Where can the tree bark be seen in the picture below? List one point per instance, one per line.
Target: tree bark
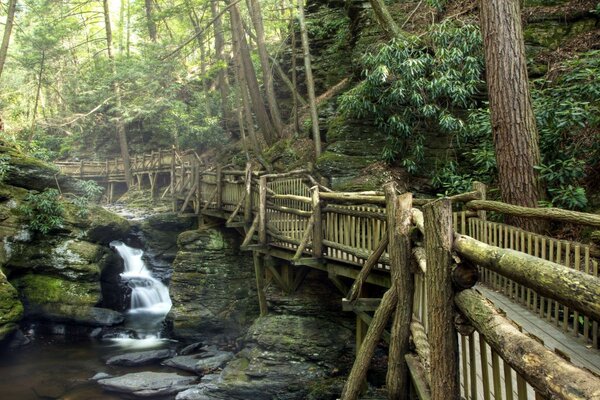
(551, 376)
(385, 20)
(575, 289)
(219, 54)
(399, 224)
(149, 6)
(257, 21)
(513, 122)
(121, 134)
(37, 97)
(310, 83)
(440, 312)
(10, 20)
(262, 117)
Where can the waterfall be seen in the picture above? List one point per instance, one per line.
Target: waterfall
(150, 301)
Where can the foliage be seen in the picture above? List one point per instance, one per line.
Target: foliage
(417, 84)
(90, 191)
(4, 166)
(44, 210)
(567, 111)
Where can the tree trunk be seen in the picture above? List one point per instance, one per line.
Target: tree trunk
(10, 20)
(294, 79)
(385, 20)
(513, 121)
(121, 134)
(399, 224)
(219, 54)
(257, 21)
(37, 97)
(310, 83)
(262, 117)
(150, 20)
(551, 376)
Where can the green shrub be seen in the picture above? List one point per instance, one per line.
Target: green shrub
(44, 210)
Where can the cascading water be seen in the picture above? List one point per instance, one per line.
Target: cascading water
(150, 301)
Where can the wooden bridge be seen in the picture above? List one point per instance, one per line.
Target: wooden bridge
(478, 309)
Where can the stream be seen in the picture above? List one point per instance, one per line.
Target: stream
(58, 367)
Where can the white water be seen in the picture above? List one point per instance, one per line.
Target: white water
(150, 301)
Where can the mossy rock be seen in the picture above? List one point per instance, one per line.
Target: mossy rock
(40, 290)
(99, 226)
(11, 309)
(334, 164)
(552, 34)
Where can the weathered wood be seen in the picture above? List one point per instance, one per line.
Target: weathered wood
(305, 237)
(250, 232)
(259, 271)
(237, 208)
(296, 172)
(364, 254)
(188, 198)
(367, 268)
(550, 375)
(361, 304)
(555, 214)
(442, 334)
(353, 198)
(419, 377)
(317, 233)
(262, 210)
(358, 373)
(288, 210)
(465, 275)
(399, 222)
(209, 201)
(302, 199)
(354, 213)
(248, 191)
(481, 188)
(575, 289)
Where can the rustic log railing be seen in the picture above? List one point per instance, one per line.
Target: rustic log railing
(454, 343)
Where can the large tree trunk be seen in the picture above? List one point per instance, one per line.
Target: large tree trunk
(262, 117)
(513, 121)
(121, 135)
(222, 75)
(310, 83)
(150, 20)
(10, 19)
(257, 21)
(385, 20)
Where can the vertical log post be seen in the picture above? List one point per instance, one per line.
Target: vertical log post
(259, 270)
(219, 198)
(262, 211)
(317, 237)
(440, 312)
(198, 188)
(481, 188)
(398, 210)
(248, 200)
(81, 169)
(173, 179)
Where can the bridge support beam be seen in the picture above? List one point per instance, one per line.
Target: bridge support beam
(259, 271)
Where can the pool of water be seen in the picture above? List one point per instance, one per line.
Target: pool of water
(55, 368)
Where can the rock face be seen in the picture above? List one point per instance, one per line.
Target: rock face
(295, 351)
(140, 357)
(57, 275)
(212, 287)
(11, 308)
(148, 384)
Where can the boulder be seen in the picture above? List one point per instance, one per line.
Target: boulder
(140, 357)
(200, 363)
(212, 287)
(148, 384)
(11, 309)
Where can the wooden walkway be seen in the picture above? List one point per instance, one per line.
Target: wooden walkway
(291, 224)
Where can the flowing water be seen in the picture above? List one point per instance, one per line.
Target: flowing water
(54, 367)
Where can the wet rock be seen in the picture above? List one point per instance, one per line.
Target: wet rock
(193, 348)
(100, 375)
(148, 384)
(11, 308)
(160, 233)
(140, 357)
(200, 363)
(195, 393)
(212, 287)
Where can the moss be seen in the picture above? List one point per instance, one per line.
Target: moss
(552, 34)
(40, 289)
(342, 165)
(11, 309)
